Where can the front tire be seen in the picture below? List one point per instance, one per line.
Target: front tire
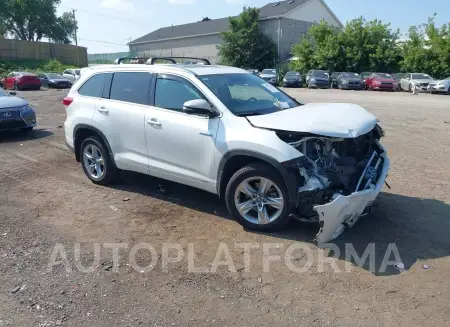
(97, 162)
(257, 198)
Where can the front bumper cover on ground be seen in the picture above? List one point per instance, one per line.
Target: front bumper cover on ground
(345, 211)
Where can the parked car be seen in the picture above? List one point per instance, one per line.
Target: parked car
(269, 75)
(365, 76)
(420, 80)
(72, 74)
(228, 132)
(442, 86)
(398, 77)
(318, 79)
(292, 79)
(381, 82)
(15, 113)
(54, 80)
(253, 71)
(350, 81)
(21, 81)
(333, 79)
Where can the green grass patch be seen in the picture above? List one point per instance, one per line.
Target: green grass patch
(33, 66)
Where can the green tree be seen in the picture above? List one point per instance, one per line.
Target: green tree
(244, 44)
(360, 46)
(33, 20)
(427, 50)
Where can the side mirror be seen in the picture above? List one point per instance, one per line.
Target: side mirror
(12, 93)
(199, 107)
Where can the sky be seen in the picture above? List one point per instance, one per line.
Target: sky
(108, 25)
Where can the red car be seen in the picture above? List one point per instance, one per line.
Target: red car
(21, 81)
(381, 82)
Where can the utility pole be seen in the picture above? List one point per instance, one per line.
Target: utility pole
(76, 27)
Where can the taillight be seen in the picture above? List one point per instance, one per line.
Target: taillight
(67, 101)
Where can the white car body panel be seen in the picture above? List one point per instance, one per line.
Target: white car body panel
(328, 119)
(190, 149)
(128, 142)
(346, 210)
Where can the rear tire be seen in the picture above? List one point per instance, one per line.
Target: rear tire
(262, 216)
(100, 168)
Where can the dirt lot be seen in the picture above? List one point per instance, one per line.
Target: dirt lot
(45, 199)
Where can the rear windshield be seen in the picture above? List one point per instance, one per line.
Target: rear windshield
(320, 73)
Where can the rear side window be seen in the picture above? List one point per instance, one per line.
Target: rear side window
(93, 87)
(131, 87)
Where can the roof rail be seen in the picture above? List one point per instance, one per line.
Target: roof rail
(153, 60)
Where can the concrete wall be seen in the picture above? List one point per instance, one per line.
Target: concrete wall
(206, 46)
(27, 50)
(314, 11)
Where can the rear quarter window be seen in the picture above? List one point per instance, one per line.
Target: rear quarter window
(93, 87)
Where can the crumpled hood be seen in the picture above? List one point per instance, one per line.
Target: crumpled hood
(422, 81)
(11, 102)
(343, 120)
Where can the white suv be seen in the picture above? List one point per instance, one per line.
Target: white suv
(229, 132)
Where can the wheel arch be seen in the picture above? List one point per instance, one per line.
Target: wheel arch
(83, 131)
(234, 160)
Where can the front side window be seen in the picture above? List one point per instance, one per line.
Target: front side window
(93, 87)
(131, 87)
(246, 94)
(173, 93)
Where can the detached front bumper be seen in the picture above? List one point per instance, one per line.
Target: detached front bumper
(345, 211)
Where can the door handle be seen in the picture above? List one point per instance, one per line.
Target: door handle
(154, 122)
(103, 109)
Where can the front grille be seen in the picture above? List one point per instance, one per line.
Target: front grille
(12, 124)
(9, 113)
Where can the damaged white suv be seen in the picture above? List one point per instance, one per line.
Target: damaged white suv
(229, 132)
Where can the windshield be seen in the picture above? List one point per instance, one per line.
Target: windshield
(421, 76)
(350, 75)
(365, 74)
(320, 73)
(247, 94)
(54, 76)
(77, 71)
(292, 74)
(382, 75)
(268, 71)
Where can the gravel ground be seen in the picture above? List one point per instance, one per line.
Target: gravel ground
(45, 200)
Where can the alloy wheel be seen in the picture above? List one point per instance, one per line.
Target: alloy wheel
(259, 200)
(93, 161)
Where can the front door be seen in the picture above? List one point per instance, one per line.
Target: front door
(181, 146)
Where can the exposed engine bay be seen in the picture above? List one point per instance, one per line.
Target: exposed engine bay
(334, 166)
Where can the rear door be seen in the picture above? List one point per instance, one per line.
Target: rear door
(120, 115)
(181, 146)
